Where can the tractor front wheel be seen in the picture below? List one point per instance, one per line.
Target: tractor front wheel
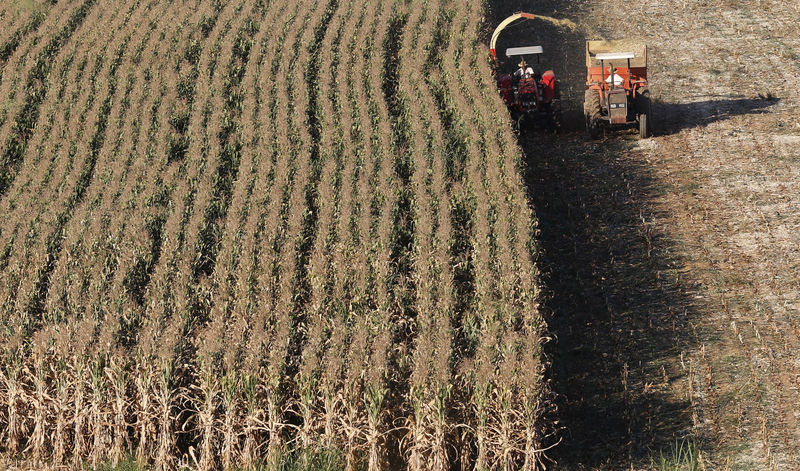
(591, 110)
(643, 110)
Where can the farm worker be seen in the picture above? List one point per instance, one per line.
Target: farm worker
(524, 71)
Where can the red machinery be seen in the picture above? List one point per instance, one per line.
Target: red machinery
(527, 95)
(616, 95)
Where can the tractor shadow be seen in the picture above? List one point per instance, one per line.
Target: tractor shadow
(672, 118)
(617, 312)
(618, 317)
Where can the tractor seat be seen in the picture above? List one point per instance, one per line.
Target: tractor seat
(527, 85)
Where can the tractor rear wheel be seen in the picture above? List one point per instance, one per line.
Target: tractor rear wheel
(591, 110)
(643, 110)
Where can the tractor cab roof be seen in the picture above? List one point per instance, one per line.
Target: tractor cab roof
(523, 51)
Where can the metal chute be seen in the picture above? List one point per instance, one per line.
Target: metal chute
(516, 16)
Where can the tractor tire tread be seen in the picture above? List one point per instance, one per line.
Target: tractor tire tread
(644, 115)
(591, 110)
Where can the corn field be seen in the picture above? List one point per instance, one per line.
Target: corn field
(236, 231)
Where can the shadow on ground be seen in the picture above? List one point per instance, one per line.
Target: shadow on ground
(672, 118)
(613, 301)
(615, 304)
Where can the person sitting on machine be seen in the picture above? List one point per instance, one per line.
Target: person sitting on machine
(524, 72)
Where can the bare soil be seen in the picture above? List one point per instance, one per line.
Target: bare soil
(672, 264)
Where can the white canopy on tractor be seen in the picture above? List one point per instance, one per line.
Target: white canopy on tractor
(610, 56)
(524, 51)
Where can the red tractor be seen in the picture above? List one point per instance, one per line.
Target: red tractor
(529, 95)
(616, 86)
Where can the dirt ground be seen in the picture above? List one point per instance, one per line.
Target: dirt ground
(672, 264)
